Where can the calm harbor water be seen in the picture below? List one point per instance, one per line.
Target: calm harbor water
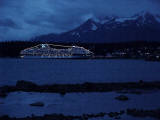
(49, 71)
(75, 103)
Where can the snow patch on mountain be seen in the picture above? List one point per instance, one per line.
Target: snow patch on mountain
(75, 34)
(94, 27)
(125, 19)
(113, 22)
(94, 19)
(145, 17)
(104, 21)
(157, 18)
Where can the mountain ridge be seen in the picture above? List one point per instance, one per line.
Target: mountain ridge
(140, 27)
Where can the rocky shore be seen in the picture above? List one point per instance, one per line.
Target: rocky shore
(140, 113)
(144, 113)
(56, 117)
(85, 87)
(115, 115)
(129, 87)
(122, 98)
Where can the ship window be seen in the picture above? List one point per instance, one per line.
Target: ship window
(43, 45)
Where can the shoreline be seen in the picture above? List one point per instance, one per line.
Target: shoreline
(126, 87)
(139, 113)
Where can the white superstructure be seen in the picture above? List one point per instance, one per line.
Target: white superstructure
(56, 51)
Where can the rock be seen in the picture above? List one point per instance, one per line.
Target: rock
(141, 81)
(2, 94)
(118, 117)
(62, 93)
(25, 84)
(38, 104)
(113, 114)
(122, 98)
(5, 117)
(144, 113)
(122, 112)
(138, 92)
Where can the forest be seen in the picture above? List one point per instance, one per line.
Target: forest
(13, 48)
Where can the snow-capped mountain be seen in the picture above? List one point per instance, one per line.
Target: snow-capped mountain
(140, 27)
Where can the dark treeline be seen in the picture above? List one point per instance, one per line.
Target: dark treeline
(13, 48)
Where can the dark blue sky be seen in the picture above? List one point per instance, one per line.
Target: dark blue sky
(23, 19)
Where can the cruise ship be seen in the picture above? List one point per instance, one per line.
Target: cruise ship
(56, 51)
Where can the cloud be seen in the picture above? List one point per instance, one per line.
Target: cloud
(8, 23)
(30, 18)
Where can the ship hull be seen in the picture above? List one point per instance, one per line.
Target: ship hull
(55, 57)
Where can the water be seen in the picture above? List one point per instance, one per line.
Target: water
(74, 103)
(49, 71)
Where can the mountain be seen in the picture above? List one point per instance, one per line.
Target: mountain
(143, 26)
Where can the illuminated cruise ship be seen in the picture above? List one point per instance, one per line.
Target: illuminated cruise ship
(55, 51)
